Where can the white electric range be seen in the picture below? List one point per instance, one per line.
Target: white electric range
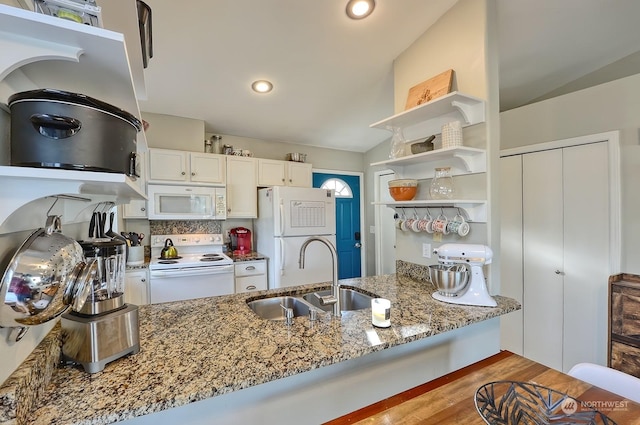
(200, 270)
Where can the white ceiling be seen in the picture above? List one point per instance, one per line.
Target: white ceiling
(553, 47)
(334, 76)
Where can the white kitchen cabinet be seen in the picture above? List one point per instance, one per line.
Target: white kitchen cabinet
(251, 276)
(557, 258)
(138, 208)
(299, 174)
(136, 287)
(272, 172)
(207, 168)
(167, 165)
(135, 209)
(242, 184)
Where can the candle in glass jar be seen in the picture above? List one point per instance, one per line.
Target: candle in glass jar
(381, 312)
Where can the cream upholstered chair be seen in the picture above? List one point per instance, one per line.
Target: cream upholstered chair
(609, 379)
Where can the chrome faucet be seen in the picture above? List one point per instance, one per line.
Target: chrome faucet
(334, 298)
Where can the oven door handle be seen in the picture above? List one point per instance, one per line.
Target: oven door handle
(193, 271)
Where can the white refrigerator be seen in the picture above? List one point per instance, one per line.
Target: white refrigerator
(287, 216)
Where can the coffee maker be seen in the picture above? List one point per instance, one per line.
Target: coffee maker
(240, 240)
(104, 328)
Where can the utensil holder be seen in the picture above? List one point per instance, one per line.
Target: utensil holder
(136, 256)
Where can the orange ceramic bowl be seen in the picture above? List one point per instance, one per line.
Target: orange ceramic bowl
(403, 189)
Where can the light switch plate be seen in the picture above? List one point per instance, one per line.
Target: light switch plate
(426, 250)
(372, 229)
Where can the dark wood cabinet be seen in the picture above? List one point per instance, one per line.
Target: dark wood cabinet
(624, 323)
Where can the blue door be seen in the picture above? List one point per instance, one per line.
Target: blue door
(348, 236)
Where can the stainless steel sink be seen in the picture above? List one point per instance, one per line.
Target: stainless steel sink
(350, 299)
(270, 308)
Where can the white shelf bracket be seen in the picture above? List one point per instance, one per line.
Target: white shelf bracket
(468, 161)
(464, 109)
(17, 53)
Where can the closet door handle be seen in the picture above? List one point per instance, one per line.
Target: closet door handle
(558, 272)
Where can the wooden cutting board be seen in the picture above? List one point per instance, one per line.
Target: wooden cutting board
(430, 89)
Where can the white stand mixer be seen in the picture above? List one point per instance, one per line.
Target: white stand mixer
(474, 256)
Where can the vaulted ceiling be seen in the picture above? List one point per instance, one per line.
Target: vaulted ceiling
(333, 76)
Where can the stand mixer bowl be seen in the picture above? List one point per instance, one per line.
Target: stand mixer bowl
(449, 280)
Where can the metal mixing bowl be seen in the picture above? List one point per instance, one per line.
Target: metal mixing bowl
(297, 157)
(449, 280)
(43, 278)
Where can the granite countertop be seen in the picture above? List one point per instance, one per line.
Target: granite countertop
(252, 256)
(197, 349)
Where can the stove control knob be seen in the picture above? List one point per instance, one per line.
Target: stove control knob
(196, 239)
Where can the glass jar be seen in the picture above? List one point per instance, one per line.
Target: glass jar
(215, 140)
(397, 143)
(442, 184)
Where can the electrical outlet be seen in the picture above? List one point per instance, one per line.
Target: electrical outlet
(426, 250)
(372, 229)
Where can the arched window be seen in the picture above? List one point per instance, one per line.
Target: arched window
(340, 187)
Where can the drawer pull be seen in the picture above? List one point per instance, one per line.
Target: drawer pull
(250, 268)
(251, 287)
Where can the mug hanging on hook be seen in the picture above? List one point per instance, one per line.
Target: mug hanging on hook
(439, 225)
(425, 222)
(414, 225)
(458, 225)
(399, 220)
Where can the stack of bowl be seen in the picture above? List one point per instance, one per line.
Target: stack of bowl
(403, 189)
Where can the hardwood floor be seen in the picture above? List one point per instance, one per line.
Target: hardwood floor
(450, 399)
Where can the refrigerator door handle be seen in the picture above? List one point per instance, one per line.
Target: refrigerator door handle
(281, 256)
(281, 218)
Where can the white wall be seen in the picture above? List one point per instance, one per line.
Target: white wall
(170, 132)
(611, 106)
(321, 158)
(455, 41)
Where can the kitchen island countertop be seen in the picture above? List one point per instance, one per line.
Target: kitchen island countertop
(198, 349)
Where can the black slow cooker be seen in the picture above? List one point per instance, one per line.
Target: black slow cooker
(58, 129)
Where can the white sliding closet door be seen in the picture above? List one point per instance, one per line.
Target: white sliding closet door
(563, 266)
(586, 253)
(542, 203)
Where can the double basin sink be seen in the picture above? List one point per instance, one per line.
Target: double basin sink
(272, 308)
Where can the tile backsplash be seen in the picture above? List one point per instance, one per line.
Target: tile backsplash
(174, 227)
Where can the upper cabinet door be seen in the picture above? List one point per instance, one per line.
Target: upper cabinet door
(168, 165)
(271, 172)
(299, 174)
(208, 168)
(242, 200)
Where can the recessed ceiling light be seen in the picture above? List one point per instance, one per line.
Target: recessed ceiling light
(262, 86)
(359, 9)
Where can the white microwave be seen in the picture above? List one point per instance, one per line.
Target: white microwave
(167, 202)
